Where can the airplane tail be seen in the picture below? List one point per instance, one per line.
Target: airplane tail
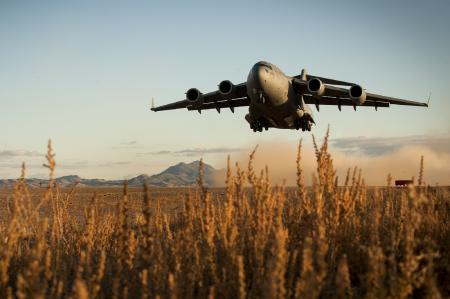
(153, 104)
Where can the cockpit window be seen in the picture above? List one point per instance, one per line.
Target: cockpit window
(262, 63)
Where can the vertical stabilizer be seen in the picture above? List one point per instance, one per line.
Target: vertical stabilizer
(303, 74)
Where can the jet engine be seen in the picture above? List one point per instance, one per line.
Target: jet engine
(316, 87)
(194, 96)
(357, 94)
(225, 87)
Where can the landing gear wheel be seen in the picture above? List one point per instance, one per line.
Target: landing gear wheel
(303, 124)
(306, 126)
(259, 125)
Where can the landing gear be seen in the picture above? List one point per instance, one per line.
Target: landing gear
(261, 99)
(259, 125)
(302, 123)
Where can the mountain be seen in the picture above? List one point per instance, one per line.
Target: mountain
(181, 174)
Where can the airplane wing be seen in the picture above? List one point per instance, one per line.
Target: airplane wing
(213, 100)
(334, 95)
(326, 80)
(172, 106)
(239, 102)
(328, 101)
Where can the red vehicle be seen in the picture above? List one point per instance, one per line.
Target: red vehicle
(403, 183)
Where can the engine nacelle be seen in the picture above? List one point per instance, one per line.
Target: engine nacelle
(225, 87)
(194, 96)
(316, 87)
(357, 94)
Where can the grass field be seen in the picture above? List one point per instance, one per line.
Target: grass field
(248, 240)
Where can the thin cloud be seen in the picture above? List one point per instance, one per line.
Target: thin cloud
(378, 146)
(32, 169)
(134, 142)
(204, 151)
(8, 154)
(127, 145)
(159, 153)
(73, 165)
(112, 164)
(19, 165)
(34, 165)
(195, 151)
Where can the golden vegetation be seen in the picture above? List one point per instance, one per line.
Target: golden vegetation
(326, 241)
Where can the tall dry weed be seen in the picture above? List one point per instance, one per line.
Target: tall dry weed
(323, 241)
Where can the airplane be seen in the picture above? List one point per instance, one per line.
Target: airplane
(276, 100)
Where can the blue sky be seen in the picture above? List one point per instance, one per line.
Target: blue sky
(83, 73)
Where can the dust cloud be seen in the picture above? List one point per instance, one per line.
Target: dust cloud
(401, 163)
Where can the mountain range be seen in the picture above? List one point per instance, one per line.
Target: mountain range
(179, 175)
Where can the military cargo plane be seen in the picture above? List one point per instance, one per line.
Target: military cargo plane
(276, 100)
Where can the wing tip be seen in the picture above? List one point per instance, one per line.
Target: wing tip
(419, 104)
(423, 104)
(156, 109)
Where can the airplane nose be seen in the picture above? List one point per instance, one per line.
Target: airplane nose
(258, 79)
(260, 72)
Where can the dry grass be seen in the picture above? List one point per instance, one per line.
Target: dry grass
(326, 241)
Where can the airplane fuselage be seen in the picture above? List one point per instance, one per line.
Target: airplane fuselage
(274, 103)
